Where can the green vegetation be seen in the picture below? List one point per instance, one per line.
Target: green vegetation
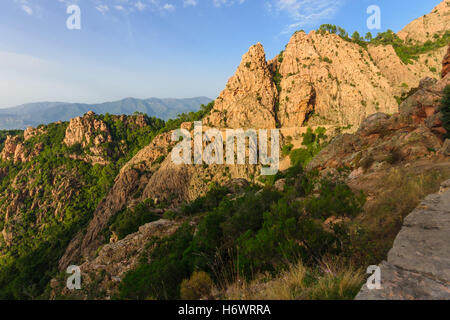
(198, 286)
(5, 133)
(129, 220)
(286, 150)
(313, 142)
(162, 277)
(240, 237)
(42, 232)
(407, 52)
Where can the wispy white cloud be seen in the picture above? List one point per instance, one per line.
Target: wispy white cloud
(168, 7)
(190, 3)
(129, 6)
(26, 6)
(220, 3)
(305, 12)
(140, 6)
(27, 9)
(102, 8)
(301, 13)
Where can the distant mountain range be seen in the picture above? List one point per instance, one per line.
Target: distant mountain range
(34, 114)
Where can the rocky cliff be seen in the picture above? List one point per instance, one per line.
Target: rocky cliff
(415, 132)
(425, 27)
(151, 174)
(446, 64)
(418, 265)
(252, 87)
(39, 189)
(321, 78)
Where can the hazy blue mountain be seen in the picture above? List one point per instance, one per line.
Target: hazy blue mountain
(34, 114)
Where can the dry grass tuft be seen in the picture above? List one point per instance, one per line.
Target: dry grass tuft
(332, 281)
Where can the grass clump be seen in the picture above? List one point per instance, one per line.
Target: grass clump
(328, 282)
(198, 286)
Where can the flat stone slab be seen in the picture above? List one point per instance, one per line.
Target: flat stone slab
(418, 265)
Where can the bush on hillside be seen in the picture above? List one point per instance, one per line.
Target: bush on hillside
(198, 286)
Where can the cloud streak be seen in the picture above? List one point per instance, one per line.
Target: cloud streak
(26, 6)
(301, 13)
(306, 12)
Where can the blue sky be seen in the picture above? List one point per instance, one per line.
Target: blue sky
(158, 48)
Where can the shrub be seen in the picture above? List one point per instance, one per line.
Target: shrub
(314, 142)
(206, 203)
(198, 286)
(159, 160)
(300, 156)
(287, 149)
(161, 277)
(76, 148)
(394, 156)
(294, 229)
(366, 162)
(129, 220)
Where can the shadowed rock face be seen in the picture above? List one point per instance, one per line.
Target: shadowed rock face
(446, 64)
(418, 265)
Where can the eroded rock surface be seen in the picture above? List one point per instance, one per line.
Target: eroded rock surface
(418, 265)
(415, 132)
(446, 64)
(425, 27)
(249, 99)
(114, 260)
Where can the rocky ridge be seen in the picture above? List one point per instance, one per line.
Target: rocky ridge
(114, 260)
(319, 78)
(252, 87)
(417, 264)
(144, 175)
(415, 132)
(425, 27)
